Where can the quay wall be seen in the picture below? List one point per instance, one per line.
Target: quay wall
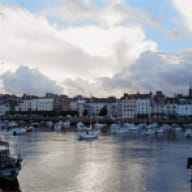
(74, 120)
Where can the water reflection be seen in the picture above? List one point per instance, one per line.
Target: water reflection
(59, 162)
(9, 185)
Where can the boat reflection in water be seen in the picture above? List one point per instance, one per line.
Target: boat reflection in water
(9, 185)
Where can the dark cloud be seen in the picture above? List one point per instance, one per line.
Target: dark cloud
(29, 81)
(153, 71)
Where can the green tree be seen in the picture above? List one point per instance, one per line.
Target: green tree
(103, 111)
(85, 112)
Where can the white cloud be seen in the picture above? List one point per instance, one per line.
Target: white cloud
(108, 56)
(114, 13)
(184, 8)
(102, 42)
(86, 52)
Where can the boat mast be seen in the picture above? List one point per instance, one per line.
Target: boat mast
(90, 112)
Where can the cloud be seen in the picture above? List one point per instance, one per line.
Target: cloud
(87, 12)
(71, 52)
(153, 71)
(184, 8)
(29, 81)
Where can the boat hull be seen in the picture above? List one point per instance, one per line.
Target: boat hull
(9, 173)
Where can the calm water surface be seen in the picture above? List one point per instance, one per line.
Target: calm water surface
(58, 162)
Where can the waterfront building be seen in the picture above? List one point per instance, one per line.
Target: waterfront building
(79, 104)
(39, 104)
(171, 107)
(143, 105)
(158, 105)
(63, 102)
(128, 106)
(4, 108)
(73, 104)
(25, 105)
(112, 108)
(45, 104)
(94, 106)
(184, 107)
(135, 105)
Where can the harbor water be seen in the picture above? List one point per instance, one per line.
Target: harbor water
(59, 162)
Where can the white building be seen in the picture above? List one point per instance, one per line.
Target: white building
(40, 104)
(184, 107)
(24, 106)
(143, 106)
(171, 107)
(135, 105)
(4, 108)
(97, 104)
(44, 104)
(128, 108)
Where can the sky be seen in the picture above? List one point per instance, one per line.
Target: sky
(102, 47)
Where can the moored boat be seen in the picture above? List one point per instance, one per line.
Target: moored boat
(9, 166)
(17, 131)
(88, 134)
(120, 129)
(188, 132)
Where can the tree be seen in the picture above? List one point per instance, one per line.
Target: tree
(103, 111)
(85, 112)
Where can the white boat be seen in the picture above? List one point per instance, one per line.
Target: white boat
(12, 124)
(67, 124)
(49, 124)
(58, 126)
(88, 134)
(149, 132)
(29, 129)
(17, 131)
(160, 131)
(133, 128)
(81, 126)
(99, 125)
(114, 127)
(188, 132)
(120, 128)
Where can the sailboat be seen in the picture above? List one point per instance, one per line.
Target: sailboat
(87, 132)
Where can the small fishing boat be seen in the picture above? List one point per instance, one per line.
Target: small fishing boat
(9, 166)
(17, 131)
(120, 129)
(67, 124)
(188, 132)
(29, 129)
(88, 134)
(149, 131)
(81, 126)
(58, 126)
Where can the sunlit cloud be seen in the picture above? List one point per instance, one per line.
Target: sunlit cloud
(79, 44)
